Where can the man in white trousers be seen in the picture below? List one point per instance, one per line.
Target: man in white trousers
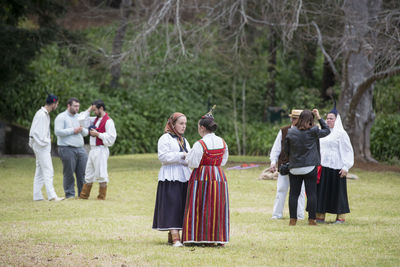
(278, 157)
(40, 142)
(102, 135)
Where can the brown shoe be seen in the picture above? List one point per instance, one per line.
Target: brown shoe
(169, 238)
(85, 193)
(312, 222)
(292, 222)
(102, 191)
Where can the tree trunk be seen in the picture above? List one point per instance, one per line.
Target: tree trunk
(358, 67)
(244, 116)
(271, 86)
(118, 42)
(235, 122)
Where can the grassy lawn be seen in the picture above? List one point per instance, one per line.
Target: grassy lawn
(118, 231)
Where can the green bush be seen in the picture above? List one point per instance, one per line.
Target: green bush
(385, 138)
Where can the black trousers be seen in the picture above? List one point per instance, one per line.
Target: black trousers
(310, 183)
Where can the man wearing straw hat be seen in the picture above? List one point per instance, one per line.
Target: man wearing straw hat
(278, 157)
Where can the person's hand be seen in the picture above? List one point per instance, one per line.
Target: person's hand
(78, 130)
(94, 133)
(316, 113)
(91, 108)
(342, 173)
(184, 155)
(272, 168)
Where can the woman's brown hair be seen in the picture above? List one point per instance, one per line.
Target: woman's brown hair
(306, 120)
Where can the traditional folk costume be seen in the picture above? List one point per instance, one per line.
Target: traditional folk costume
(206, 217)
(336, 154)
(40, 142)
(172, 179)
(96, 168)
(277, 155)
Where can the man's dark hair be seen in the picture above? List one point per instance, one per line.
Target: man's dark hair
(51, 99)
(306, 120)
(72, 99)
(99, 103)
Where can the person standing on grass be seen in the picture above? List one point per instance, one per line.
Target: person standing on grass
(70, 147)
(172, 178)
(102, 135)
(40, 142)
(337, 157)
(206, 219)
(302, 146)
(278, 157)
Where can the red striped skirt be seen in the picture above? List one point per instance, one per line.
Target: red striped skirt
(206, 218)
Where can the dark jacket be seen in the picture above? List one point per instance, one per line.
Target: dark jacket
(302, 146)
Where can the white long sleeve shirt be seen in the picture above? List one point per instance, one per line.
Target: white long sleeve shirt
(108, 137)
(40, 128)
(337, 152)
(212, 142)
(276, 149)
(174, 167)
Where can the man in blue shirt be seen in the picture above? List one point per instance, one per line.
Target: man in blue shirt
(70, 143)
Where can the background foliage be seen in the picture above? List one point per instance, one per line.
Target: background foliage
(154, 86)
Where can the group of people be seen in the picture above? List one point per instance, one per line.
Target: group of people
(70, 127)
(318, 160)
(193, 201)
(192, 192)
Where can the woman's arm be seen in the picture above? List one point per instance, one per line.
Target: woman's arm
(165, 152)
(195, 155)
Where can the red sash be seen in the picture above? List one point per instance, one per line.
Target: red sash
(101, 128)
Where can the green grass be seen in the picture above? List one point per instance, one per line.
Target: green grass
(118, 231)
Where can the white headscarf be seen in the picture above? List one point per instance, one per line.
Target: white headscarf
(336, 149)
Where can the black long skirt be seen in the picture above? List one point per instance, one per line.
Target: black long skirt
(170, 205)
(332, 193)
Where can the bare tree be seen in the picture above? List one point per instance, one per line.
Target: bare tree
(368, 48)
(360, 40)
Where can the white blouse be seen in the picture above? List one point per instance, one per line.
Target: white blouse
(212, 142)
(336, 151)
(174, 167)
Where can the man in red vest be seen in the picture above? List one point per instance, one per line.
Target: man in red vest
(102, 135)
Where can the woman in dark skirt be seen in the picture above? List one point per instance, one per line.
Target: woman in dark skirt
(337, 158)
(172, 179)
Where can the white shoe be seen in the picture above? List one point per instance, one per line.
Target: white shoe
(177, 244)
(276, 218)
(56, 199)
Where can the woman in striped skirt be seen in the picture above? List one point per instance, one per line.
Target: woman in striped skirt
(206, 218)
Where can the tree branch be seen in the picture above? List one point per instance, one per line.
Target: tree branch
(362, 88)
(178, 26)
(334, 70)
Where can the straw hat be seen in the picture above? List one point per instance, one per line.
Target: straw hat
(295, 113)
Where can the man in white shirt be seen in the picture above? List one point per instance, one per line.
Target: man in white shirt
(279, 157)
(70, 143)
(40, 142)
(102, 135)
